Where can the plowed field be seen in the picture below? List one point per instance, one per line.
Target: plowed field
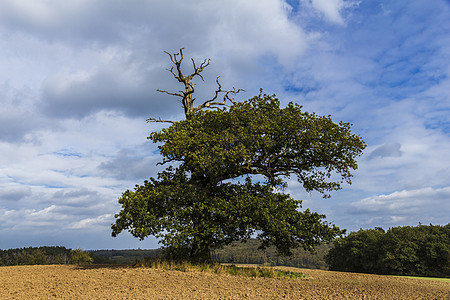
(112, 282)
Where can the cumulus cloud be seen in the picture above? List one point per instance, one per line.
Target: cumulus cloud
(43, 219)
(17, 118)
(407, 206)
(422, 165)
(40, 208)
(386, 150)
(117, 55)
(128, 164)
(14, 194)
(333, 12)
(252, 28)
(82, 22)
(82, 93)
(92, 223)
(77, 197)
(330, 8)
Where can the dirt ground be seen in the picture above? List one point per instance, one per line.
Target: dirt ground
(112, 282)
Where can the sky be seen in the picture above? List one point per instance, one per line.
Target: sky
(78, 79)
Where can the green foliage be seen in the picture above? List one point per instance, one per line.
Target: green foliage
(79, 257)
(259, 137)
(43, 256)
(415, 251)
(418, 251)
(237, 253)
(186, 266)
(358, 252)
(129, 256)
(228, 181)
(247, 253)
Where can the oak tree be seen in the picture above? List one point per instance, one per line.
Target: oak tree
(227, 171)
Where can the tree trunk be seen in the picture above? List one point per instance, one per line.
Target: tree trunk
(201, 253)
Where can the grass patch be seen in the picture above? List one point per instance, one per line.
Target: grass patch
(426, 278)
(217, 268)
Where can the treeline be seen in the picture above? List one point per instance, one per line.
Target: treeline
(248, 253)
(130, 256)
(43, 256)
(237, 253)
(414, 251)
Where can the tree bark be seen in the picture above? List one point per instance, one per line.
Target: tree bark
(201, 253)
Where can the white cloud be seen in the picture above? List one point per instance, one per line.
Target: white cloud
(331, 9)
(248, 29)
(386, 150)
(401, 200)
(13, 193)
(17, 117)
(35, 13)
(78, 21)
(426, 205)
(129, 164)
(93, 223)
(116, 54)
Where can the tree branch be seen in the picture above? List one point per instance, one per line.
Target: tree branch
(159, 120)
(186, 95)
(173, 94)
(210, 103)
(165, 161)
(197, 71)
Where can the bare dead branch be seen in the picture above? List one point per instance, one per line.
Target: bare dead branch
(211, 102)
(172, 94)
(234, 92)
(177, 62)
(159, 120)
(198, 70)
(173, 73)
(186, 95)
(170, 55)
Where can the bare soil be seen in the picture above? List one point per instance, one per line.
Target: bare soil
(120, 282)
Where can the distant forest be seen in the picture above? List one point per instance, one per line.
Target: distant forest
(130, 256)
(423, 250)
(43, 256)
(248, 253)
(237, 253)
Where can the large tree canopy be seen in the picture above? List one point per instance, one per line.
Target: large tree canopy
(259, 137)
(226, 177)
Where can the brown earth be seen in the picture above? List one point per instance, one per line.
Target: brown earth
(113, 282)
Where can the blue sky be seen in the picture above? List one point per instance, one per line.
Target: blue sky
(78, 79)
